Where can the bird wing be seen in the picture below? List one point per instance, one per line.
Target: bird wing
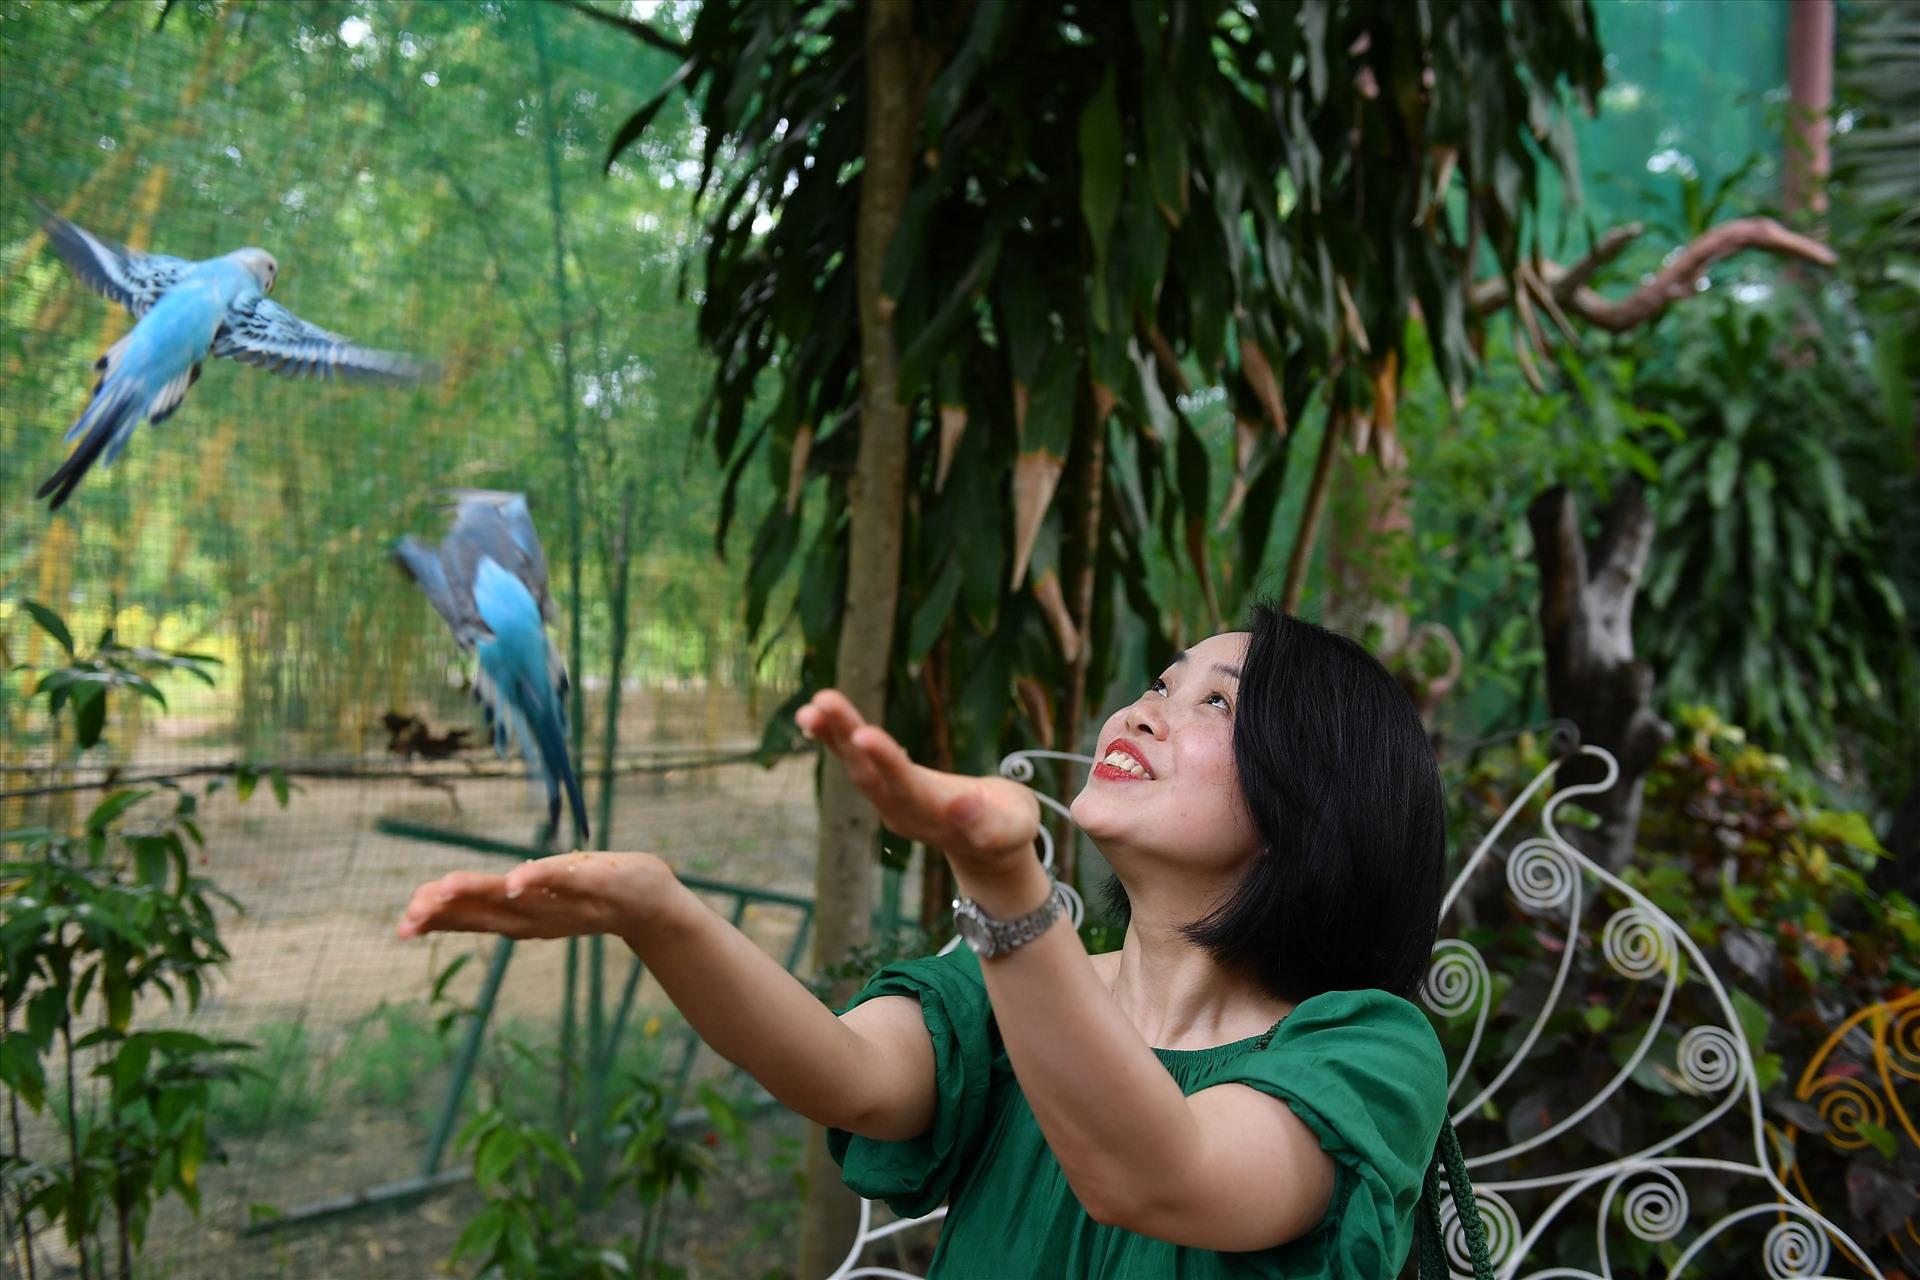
(265, 334)
(489, 514)
(450, 594)
(134, 280)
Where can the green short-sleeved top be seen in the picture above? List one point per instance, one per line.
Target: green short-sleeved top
(1363, 1069)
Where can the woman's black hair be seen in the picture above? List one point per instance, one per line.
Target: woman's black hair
(1345, 792)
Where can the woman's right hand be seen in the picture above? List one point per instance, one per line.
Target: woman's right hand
(565, 896)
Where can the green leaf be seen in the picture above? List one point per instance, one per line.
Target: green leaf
(498, 1153)
(957, 77)
(277, 779)
(482, 1235)
(130, 1069)
(89, 714)
(773, 547)
(1723, 468)
(1755, 1019)
(1193, 469)
(1639, 459)
(1845, 827)
(1891, 371)
(1101, 170)
(934, 610)
(150, 863)
(556, 1154)
(1166, 143)
(1050, 408)
(1313, 16)
(108, 811)
(637, 122)
(1833, 487)
(118, 990)
(143, 686)
(446, 976)
(1647, 1075)
(21, 1072)
(1882, 1140)
(51, 623)
(1020, 314)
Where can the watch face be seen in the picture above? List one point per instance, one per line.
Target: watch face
(972, 931)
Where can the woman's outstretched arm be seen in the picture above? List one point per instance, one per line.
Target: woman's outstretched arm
(1229, 1168)
(870, 1072)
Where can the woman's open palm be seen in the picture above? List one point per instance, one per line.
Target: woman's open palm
(568, 895)
(980, 821)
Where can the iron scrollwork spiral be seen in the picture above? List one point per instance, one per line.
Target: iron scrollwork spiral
(1457, 978)
(1635, 943)
(1496, 1215)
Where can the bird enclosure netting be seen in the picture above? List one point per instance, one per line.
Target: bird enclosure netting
(429, 177)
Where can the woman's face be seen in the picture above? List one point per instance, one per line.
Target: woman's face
(1164, 781)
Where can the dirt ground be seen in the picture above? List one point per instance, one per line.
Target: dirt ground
(315, 958)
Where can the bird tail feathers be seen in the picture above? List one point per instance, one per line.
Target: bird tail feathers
(109, 419)
(534, 718)
(118, 407)
(549, 731)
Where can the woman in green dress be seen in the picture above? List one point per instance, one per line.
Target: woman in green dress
(1242, 1089)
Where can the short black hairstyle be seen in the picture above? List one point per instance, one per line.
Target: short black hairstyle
(1344, 790)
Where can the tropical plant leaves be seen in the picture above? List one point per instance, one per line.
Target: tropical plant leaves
(1147, 203)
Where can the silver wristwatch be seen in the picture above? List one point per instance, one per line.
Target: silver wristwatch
(990, 937)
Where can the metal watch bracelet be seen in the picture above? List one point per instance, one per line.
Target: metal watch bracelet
(989, 937)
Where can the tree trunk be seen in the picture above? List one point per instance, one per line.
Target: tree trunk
(1810, 86)
(843, 878)
(1369, 564)
(1593, 679)
(1370, 539)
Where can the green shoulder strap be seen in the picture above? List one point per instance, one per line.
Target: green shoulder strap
(1433, 1251)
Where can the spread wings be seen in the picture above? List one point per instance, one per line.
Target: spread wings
(134, 280)
(263, 333)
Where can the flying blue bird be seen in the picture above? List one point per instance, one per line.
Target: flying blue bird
(183, 312)
(488, 579)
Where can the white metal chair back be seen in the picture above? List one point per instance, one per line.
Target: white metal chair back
(1556, 885)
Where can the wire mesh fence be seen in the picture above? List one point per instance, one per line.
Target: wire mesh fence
(429, 177)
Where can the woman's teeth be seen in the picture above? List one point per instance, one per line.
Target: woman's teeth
(1121, 760)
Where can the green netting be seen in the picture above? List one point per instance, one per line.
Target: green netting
(404, 161)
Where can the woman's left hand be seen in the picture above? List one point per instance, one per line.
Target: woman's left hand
(983, 825)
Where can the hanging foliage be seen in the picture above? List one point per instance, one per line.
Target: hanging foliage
(1126, 224)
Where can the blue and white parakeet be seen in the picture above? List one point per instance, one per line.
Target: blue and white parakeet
(183, 312)
(488, 579)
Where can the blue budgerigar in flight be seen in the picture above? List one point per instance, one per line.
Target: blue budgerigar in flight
(488, 579)
(183, 312)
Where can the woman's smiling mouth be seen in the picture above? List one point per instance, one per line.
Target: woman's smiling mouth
(1123, 763)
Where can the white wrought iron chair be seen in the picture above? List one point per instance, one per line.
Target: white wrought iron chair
(1554, 884)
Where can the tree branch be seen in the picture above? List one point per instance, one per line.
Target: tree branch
(1491, 294)
(1671, 283)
